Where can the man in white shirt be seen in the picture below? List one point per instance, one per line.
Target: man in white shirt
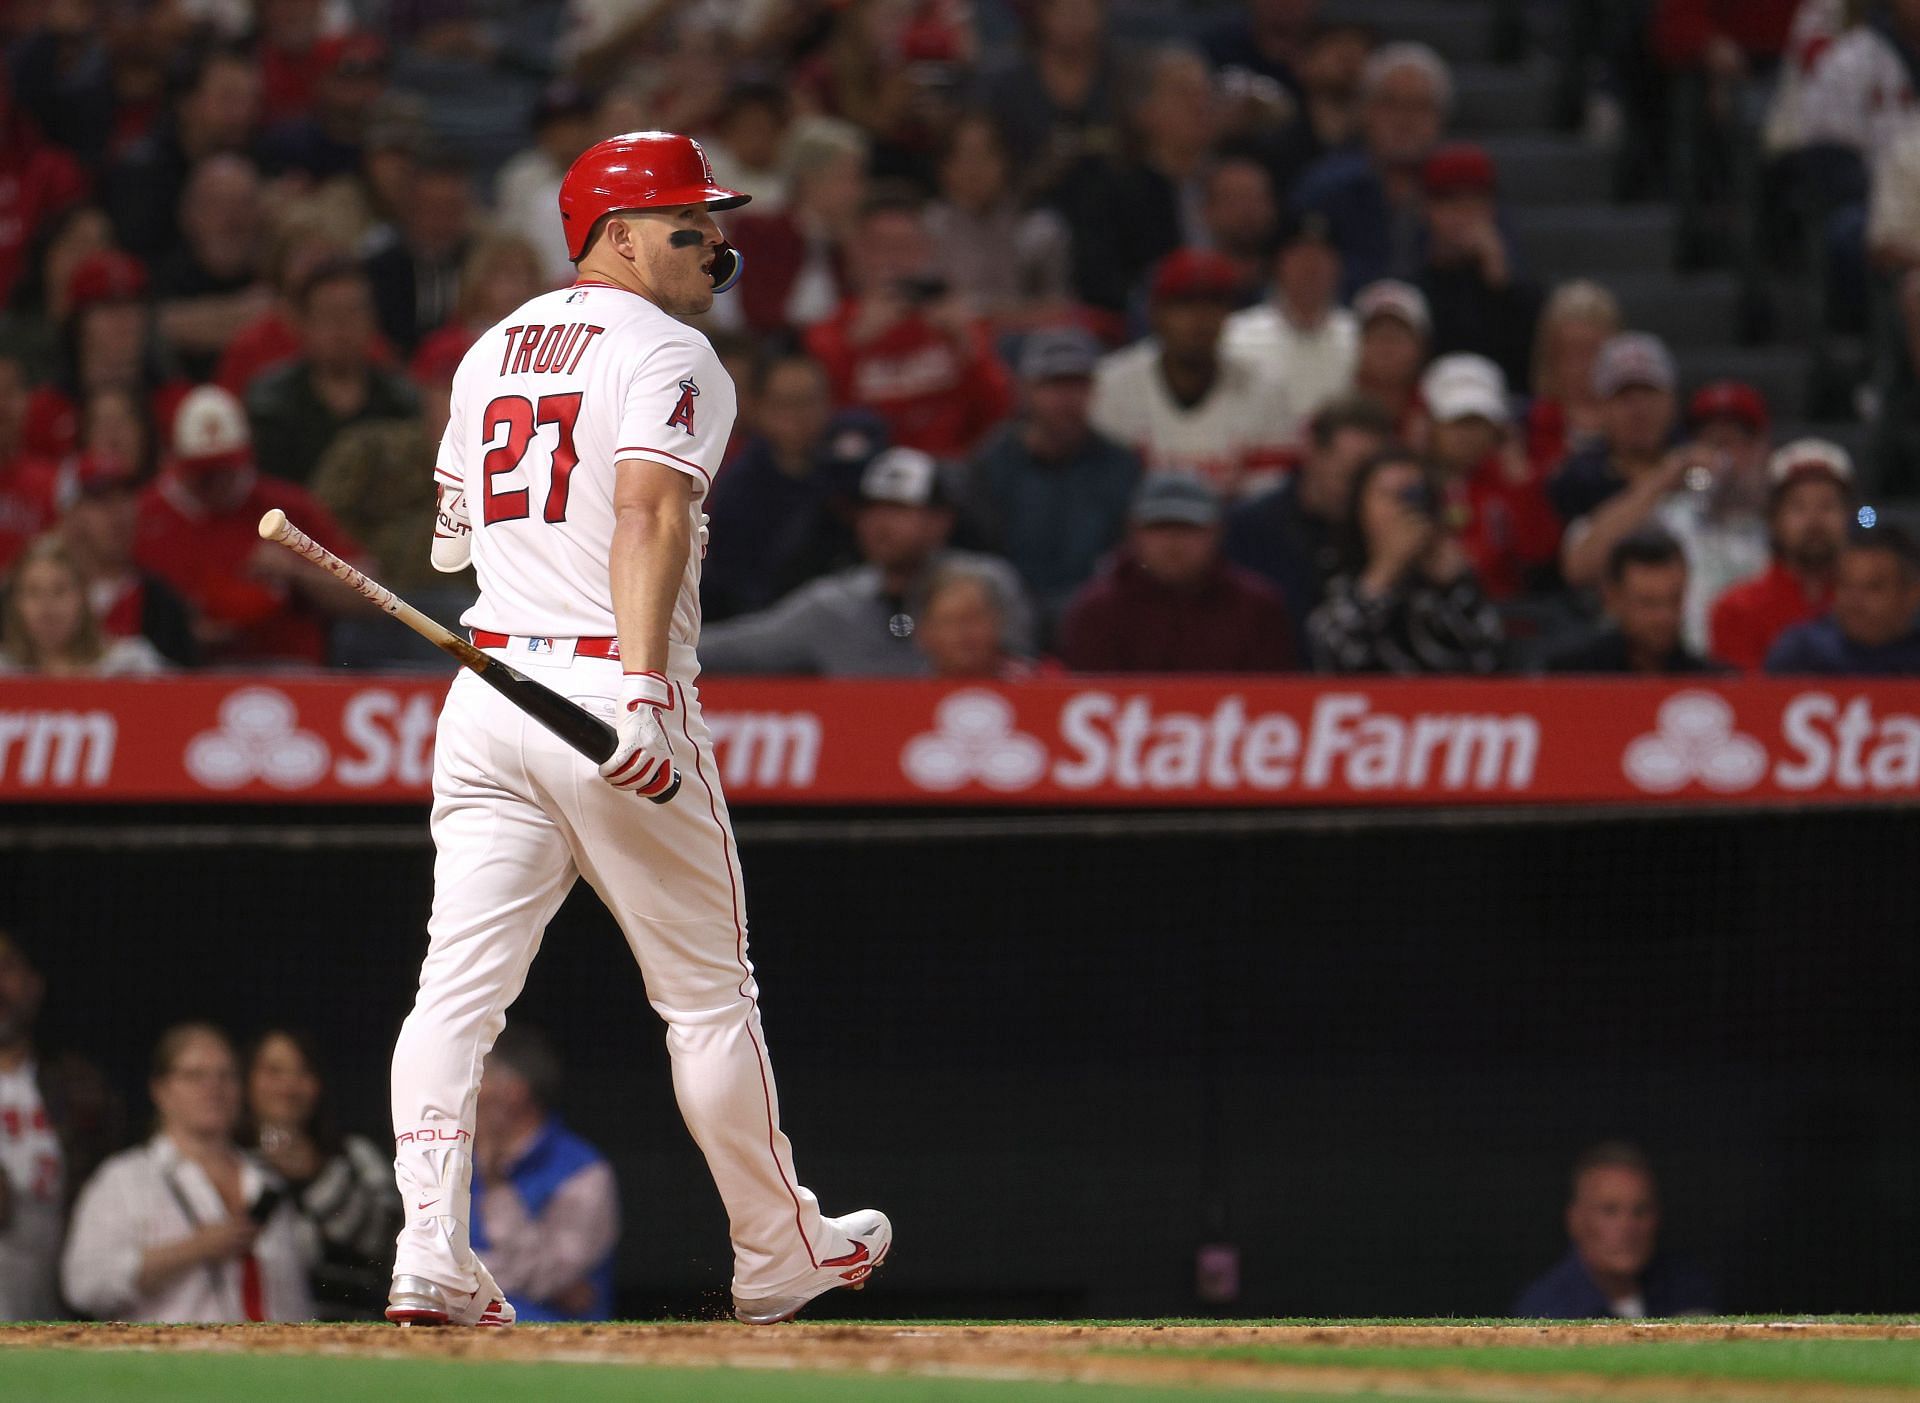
(1183, 404)
(1301, 335)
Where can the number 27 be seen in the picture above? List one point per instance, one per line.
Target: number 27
(519, 416)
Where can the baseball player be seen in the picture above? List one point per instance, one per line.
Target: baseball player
(584, 434)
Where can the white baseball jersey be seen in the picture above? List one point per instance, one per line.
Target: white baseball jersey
(1235, 438)
(35, 1171)
(544, 405)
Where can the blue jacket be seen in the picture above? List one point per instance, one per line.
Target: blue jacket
(1820, 649)
(554, 1157)
(1568, 1293)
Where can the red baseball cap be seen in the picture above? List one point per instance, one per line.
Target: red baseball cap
(1196, 273)
(106, 276)
(1458, 168)
(88, 474)
(1729, 399)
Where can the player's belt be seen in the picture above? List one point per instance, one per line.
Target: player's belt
(582, 647)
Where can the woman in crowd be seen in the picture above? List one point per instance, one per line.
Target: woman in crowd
(114, 423)
(339, 1186)
(1012, 265)
(501, 272)
(1404, 599)
(1576, 322)
(188, 1227)
(50, 630)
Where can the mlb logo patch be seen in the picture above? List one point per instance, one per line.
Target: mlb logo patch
(539, 645)
(579, 294)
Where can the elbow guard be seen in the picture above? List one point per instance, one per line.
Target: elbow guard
(452, 532)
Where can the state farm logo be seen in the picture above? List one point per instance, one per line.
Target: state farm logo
(974, 742)
(259, 737)
(1694, 739)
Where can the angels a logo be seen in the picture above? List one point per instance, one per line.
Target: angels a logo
(682, 416)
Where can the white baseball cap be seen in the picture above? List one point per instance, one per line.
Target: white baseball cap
(1392, 298)
(1817, 456)
(904, 476)
(1465, 387)
(210, 428)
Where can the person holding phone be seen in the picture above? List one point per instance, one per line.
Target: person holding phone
(1404, 599)
(188, 1228)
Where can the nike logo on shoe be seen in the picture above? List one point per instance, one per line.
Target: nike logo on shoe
(856, 1259)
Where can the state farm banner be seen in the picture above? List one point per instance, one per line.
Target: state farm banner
(1093, 742)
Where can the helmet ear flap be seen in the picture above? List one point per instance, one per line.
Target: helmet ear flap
(727, 265)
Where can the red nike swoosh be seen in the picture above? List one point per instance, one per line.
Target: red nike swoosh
(423, 1207)
(852, 1259)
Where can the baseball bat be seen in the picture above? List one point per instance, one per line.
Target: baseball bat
(580, 729)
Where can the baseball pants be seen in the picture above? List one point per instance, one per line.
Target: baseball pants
(517, 816)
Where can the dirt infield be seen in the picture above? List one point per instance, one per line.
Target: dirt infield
(1169, 1355)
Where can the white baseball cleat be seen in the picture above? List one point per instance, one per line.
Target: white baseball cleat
(871, 1238)
(414, 1300)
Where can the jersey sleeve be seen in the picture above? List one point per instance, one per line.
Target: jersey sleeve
(678, 410)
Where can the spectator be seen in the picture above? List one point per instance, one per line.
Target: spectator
(1178, 401)
(363, 207)
(299, 408)
(216, 112)
(98, 496)
(963, 629)
(115, 424)
(38, 306)
(1127, 213)
(1268, 38)
(502, 274)
(861, 621)
(748, 141)
(528, 187)
(299, 246)
(329, 140)
(1645, 584)
(1329, 118)
(1289, 535)
(1240, 215)
(199, 523)
(339, 1186)
(415, 272)
(1719, 516)
(36, 178)
(1479, 303)
(1615, 487)
(1396, 329)
(49, 629)
(1048, 491)
(369, 478)
(1404, 599)
(26, 479)
(287, 42)
(904, 346)
(1169, 602)
(209, 287)
(57, 1121)
(1860, 94)
(1491, 495)
(1060, 101)
(1372, 197)
(187, 1228)
(1614, 1268)
(1011, 264)
(106, 340)
(776, 509)
(1873, 629)
(1299, 334)
(803, 256)
(1565, 416)
(545, 1208)
(1808, 508)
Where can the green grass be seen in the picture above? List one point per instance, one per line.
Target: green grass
(1879, 1363)
(47, 1376)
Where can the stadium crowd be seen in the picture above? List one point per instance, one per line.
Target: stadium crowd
(1058, 350)
(245, 1201)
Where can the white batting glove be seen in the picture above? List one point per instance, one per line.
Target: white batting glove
(642, 762)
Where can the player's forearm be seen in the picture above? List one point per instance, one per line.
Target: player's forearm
(650, 545)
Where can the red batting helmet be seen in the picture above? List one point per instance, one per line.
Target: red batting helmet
(642, 170)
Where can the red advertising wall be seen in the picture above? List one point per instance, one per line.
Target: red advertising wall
(1094, 742)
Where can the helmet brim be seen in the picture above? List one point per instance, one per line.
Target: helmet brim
(719, 197)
